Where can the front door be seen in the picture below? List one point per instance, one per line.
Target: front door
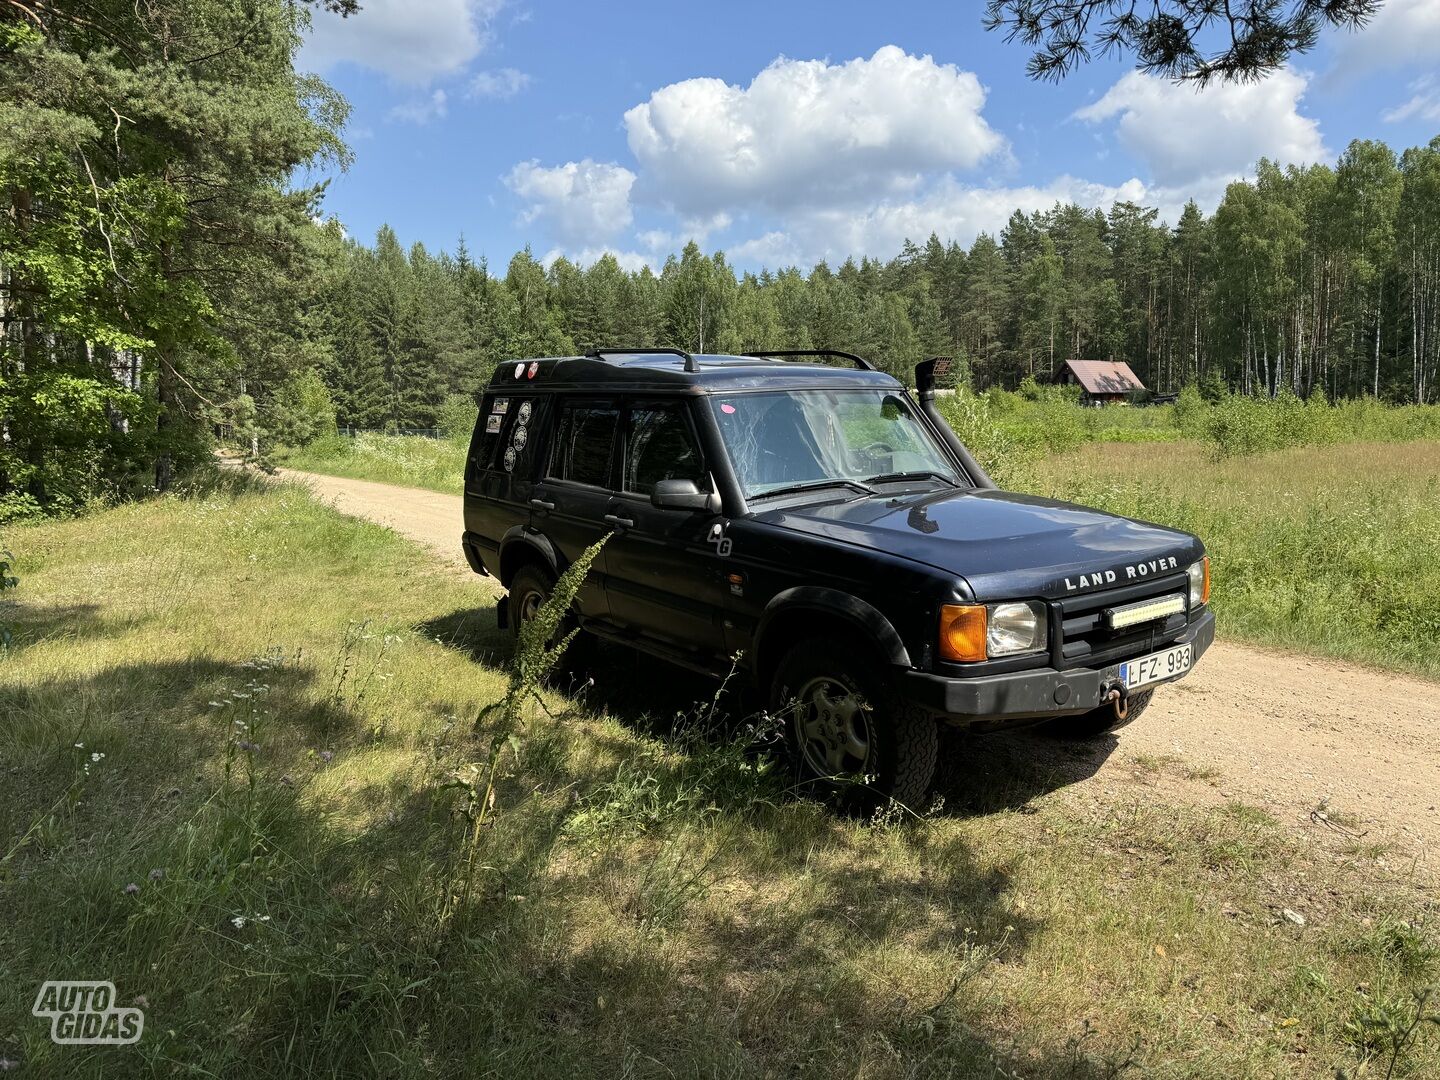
(664, 577)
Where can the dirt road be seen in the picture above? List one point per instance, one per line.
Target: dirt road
(1287, 731)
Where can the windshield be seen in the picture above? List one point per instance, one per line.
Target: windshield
(787, 438)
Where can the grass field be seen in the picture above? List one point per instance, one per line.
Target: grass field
(1325, 549)
(408, 460)
(278, 856)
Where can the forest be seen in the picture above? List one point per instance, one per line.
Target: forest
(167, 277)
(1303, 280)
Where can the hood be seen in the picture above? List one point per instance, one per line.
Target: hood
(1003, 544)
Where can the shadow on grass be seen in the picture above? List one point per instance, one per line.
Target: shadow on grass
(977, 774)
(280, 937)
(31, 623)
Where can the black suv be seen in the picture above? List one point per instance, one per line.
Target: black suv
(834, 534)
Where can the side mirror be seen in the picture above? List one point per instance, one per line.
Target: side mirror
(683, 495)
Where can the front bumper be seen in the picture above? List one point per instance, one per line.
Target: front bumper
(996, 700)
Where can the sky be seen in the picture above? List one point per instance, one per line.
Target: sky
(787, 132)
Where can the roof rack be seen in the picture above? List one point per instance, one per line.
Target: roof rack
(861, 364)
(690, 365)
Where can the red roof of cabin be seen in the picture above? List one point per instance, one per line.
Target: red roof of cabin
(1105, 376)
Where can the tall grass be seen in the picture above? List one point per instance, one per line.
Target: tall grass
(1327, 549)
(407, 460)
(1241, 426)
(273, 857)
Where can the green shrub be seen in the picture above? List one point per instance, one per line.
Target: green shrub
(973, 419)
(301, 411)
(456, 418)
(1242, 425)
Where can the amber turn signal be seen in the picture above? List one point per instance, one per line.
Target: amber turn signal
(1205, 588)
(962, 632)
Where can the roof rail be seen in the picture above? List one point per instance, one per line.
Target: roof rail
(861, 364)
(690, 365)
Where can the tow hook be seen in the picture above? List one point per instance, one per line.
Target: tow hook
(1119, 697)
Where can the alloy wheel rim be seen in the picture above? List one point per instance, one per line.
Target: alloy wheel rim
(530, 605)
(832, 726)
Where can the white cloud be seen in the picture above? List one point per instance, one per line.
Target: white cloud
(951, 210)
(411, 42)
(1195, 140)
(1403, 32)
(1424, 103)
(583, 203)
(807, 131)
(503, 83)
(422, 110)
(630, 261)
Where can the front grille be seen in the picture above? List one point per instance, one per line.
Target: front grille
(1085, 640)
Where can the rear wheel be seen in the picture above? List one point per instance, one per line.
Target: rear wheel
(1101, 721)
(530, 588)
(849, 733)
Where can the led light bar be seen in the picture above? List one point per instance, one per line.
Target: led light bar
(1146, 611)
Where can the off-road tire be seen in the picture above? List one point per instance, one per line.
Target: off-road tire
(1097, 722)
(534, 580)
(903, 737)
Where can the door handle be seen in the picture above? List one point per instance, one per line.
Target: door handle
(620, 522)
(541, 504)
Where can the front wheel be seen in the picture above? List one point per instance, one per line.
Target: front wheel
(849, 733)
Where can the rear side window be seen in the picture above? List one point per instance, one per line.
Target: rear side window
(584, 442)
(659, 447)
(502, 434)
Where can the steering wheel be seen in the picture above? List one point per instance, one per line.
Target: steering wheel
(882, 447)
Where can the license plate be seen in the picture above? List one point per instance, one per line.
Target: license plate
(1157, 667)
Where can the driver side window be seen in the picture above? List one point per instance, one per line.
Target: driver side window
(660, 446)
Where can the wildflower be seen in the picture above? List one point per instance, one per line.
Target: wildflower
(95, 757)
(131, 889)
(6, 1064)
(327, 756)
(238, 922)
(157, 874)
(79, 746)
(141, 1001)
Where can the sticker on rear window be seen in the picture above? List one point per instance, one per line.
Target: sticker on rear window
(500, 404)
(727, 408)
(492, 424)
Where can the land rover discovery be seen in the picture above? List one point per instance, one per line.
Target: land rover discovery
(807, 514)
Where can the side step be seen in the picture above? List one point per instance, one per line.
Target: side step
(690, 659)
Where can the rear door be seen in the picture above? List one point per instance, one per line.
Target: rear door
(499, 477)
(569, 503)
(663, 579)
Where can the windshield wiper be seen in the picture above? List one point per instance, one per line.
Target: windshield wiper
(918, 474)
(818, 485)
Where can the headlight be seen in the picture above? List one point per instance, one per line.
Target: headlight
(1015, 628)
(973, 632)
(1199, 583)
